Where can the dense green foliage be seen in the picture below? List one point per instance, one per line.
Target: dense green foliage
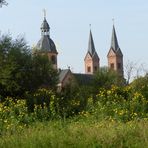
(15, 62)
(116, 104)
(105, 78)
(141, 85)
(117, 118)
(20, 71)
(43, 74)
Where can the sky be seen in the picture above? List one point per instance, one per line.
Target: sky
(69, 22)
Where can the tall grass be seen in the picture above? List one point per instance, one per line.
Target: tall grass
(82, 132)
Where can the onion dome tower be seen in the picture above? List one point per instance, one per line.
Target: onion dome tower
(46, 45)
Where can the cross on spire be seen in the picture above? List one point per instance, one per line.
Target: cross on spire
(44, 11)
(90, 26)
(113, 21)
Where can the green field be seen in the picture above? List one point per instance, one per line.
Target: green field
(79, 132)
(117, 118)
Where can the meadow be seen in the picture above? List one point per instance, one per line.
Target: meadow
(82, 132)
(115, 118)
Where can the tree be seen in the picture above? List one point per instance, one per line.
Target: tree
(105, 78)
(129, 70)
(134, 70)
(141, 85)
(43, 73)
(3, 2)
(20, 71)
(15, 59)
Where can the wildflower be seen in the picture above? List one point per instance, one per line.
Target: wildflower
(5, 121)
(135, 114)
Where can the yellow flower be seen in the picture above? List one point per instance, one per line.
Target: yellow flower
(5, 121)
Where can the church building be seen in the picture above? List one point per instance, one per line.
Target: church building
(91, 61)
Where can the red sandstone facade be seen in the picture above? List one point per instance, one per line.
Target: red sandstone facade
(115, 62)
(92, 61)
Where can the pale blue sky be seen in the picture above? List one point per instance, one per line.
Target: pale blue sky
(69, 21)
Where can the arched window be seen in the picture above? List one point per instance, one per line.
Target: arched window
(53, 59)
(112, 65)
(88, 69)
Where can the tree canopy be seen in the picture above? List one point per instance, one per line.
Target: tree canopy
(20, 71)
(3, 2)
(105, 78)
(141, 85)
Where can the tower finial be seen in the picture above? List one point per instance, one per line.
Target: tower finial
(90, 26)
(44, 11)
(113, 20)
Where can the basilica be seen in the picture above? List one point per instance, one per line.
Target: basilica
(91, 61)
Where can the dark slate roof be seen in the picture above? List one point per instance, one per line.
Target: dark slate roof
(46, 44)
(95, 56)
(91, 46)
(119, 52)
(62, 74)
(83, 79)
(114, 42)
(45, 25)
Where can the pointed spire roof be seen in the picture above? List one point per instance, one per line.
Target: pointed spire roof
(114, 41)
(45, 26)
(91, 46)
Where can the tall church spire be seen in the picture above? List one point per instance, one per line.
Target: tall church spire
(114, 41)
(115, 56)
(91, 59)
(91, 46)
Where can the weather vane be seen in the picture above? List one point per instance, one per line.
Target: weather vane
(44, 11)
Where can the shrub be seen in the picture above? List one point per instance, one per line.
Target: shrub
(13, 115)
(42, 99)
(141, 85)
(122, 104)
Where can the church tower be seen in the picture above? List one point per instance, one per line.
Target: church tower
(115, 56)
(46, 45)
(91, 59)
